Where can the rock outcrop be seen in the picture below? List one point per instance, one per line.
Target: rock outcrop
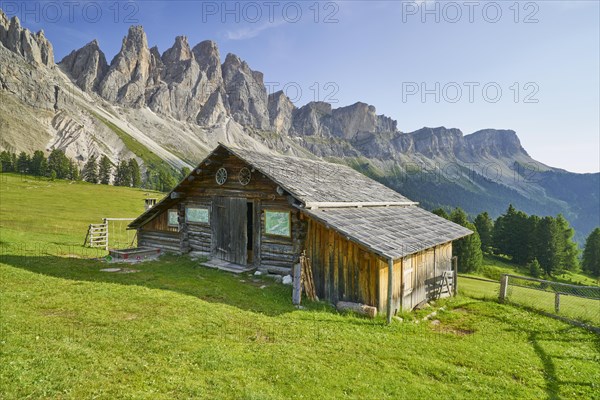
(246, 93)
(87, 66)
(494, 143)
(281, 111)
(33, 47)
(127, 78)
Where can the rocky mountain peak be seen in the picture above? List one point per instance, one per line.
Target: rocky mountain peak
(495, 143)
(136, 40)
(33, 47)
(208, 58)
(179, 52)
(87, 66)
(129, 71)
(246, 93)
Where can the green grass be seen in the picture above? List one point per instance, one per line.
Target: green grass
(36, 212)
(485, 285)
(178, 330)
(152, 161)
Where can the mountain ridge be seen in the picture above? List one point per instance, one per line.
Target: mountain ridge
(181, 103)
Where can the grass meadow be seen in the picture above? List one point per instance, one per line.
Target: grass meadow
(177, 330)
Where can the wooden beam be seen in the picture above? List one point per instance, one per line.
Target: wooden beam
(176, 195)
(390, 296)
(349, 204)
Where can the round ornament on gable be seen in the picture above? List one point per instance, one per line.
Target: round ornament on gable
(244, 176)
(221, 176)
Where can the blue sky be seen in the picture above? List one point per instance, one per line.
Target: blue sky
(533, 67)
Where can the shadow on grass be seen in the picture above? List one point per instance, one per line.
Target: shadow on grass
(175, 273)
(536, 336)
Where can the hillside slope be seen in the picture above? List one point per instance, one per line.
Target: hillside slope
(169, 109)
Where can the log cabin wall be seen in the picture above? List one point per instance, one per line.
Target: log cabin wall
(196, 236)
(342, 269)
(278, 254)
(275, 254)
(158, 233)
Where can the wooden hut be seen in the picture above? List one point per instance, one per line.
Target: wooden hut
(367, 243)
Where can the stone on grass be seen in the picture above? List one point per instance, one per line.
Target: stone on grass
(287, 280)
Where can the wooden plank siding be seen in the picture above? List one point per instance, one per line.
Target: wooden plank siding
(346, 271)
(342, 269)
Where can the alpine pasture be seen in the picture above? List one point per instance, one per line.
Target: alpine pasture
(176, 329)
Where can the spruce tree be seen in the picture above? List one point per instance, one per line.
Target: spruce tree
(134, 169)
(6, 160)
(105, 170)
(122, 174)
(440, 212)
(38, 163)
(23, 162)
(485, 227)
(591, 254)
(548, 246)
(90, 170)
(568, 251)
(59, 163)
(467, 249)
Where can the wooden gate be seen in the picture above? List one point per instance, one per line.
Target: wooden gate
(229, 226)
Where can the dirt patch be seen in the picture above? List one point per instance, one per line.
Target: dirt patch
(58, 313)
(454, 330)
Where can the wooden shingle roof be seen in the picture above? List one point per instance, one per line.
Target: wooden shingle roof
(365, 211)
(316, 181)
(392, 232)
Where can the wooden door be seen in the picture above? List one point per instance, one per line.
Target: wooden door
(229, 225)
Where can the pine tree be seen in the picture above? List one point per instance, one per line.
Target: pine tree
(123, 174)
(23, 162)
(38, 163)
(166, 181)
(467, 249)
(568, 251)
(59, 163)
(73, 171)
(105, 170)
(440, 212)
(6, 160)
(134, 169)
(514, 234)
(591, 254)
(535, 269)
(90, 170)
(548, 246)
(485, 227)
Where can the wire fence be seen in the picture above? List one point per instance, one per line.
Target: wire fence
(575, 303)
(572, 302)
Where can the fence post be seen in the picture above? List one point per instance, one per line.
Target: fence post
(297, 282)
(557, 302)
(455, 275)
(503, 288)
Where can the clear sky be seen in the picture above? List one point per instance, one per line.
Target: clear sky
(533, 67)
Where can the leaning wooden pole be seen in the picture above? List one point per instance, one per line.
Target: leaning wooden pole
(455, 275)
(390, 290)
